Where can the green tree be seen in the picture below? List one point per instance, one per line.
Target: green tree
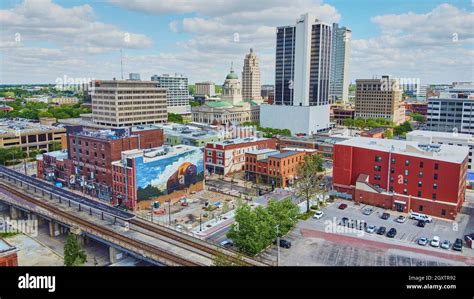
(285, 214)
(308, 180)
(253, 230)
(192, 89)
(402, 129)
(175, 118)
(194, 103)
(348, 122)
(418, 117)
(74, 255)
(54, 146)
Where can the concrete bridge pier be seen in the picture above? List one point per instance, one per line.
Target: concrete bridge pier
(13, 212)
(115, 255)
(54, 229)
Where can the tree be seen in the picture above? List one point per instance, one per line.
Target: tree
(55, 146)
(418, 117)
(285, 214)
(307, 183)
(175, 118)
(74, 255)
(253, 230)
(402, 129)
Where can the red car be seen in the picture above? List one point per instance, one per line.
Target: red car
(342, 206)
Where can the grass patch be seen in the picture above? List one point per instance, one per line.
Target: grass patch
(8, 234)
(306, 216)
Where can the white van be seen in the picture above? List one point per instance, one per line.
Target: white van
(419, 216)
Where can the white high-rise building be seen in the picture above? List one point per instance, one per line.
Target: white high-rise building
(251, 86)
(341, 47)
(177, 92)
(302, 76)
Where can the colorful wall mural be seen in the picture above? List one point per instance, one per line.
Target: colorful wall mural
(164, 176)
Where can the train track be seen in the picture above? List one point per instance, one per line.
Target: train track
(102, 230)
(197, 243)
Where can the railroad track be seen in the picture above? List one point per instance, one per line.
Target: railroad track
(102, 230)
(198, 244)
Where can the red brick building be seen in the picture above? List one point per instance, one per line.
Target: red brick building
(229, 156)
(88, 165)
(273, 167)
(322, 144)
(415, 107)
(339, 114)
(8, 254)
(374, 133)
(402, 175)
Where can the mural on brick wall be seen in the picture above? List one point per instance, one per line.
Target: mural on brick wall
(165, 176)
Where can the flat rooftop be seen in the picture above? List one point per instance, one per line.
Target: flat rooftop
(262, 151)
(441, 152)
(8, 126)
(434, 134)
(157, 153)
(238, 141)
(59, 155)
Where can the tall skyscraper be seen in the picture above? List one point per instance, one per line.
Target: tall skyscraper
(251, 86)
(284, 65)
(302, 76)
(341, 47)
(177, 92)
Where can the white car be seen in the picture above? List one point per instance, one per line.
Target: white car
(318, 215)
(435, 241)
(422, 241)
(401, 219)
(446, 244)
(371, 229)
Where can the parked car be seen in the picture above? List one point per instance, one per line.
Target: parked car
(435, 241)
(457, 245)
(419, 216)
(392, 233)
(285, 243)
(469, 237)
(344, 219)
(370, 229)
(421, 223)
(423, 241)
(446, 244)
(381, 230)
(385, 216)
(318, 215)
(401, 219)
(367, 211)
(342, 206)
(227, 243)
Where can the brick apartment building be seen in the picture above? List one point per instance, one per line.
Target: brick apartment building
(402, 175)
(322, 144)
(8, 254)
(87, 164)
(229, 156)
(272, 166)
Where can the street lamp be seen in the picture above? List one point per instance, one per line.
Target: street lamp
(169, 212)
(200, 222)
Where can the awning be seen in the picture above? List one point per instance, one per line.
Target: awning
(400, 202)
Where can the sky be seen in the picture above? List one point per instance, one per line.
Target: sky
(46, 41)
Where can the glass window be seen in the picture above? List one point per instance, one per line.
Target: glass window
(436, 166)
(407, 163)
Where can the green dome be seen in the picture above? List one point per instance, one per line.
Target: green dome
(219, 104)
(232, 75)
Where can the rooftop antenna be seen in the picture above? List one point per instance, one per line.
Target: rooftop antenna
(121, 63)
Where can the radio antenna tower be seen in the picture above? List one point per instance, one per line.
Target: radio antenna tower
(121, 63)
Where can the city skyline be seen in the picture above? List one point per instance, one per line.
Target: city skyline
(80, 40)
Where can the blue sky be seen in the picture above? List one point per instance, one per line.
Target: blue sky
(43, 40)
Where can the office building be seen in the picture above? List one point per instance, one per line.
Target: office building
(204, 89)
(63, 101)
(379, 98)
(177, 92)
(302, 75)
(341, 47)
(31, 136)
(403, 176)
(228, 156)
(125, 103)
(189, 135)
(251, 86)
(323, 145)
(268, 94)
(451, 112)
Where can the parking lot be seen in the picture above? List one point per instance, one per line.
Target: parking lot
(325, 242)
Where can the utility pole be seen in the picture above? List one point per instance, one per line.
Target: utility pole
(169, 212)
(200, 222)
(278, 244)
